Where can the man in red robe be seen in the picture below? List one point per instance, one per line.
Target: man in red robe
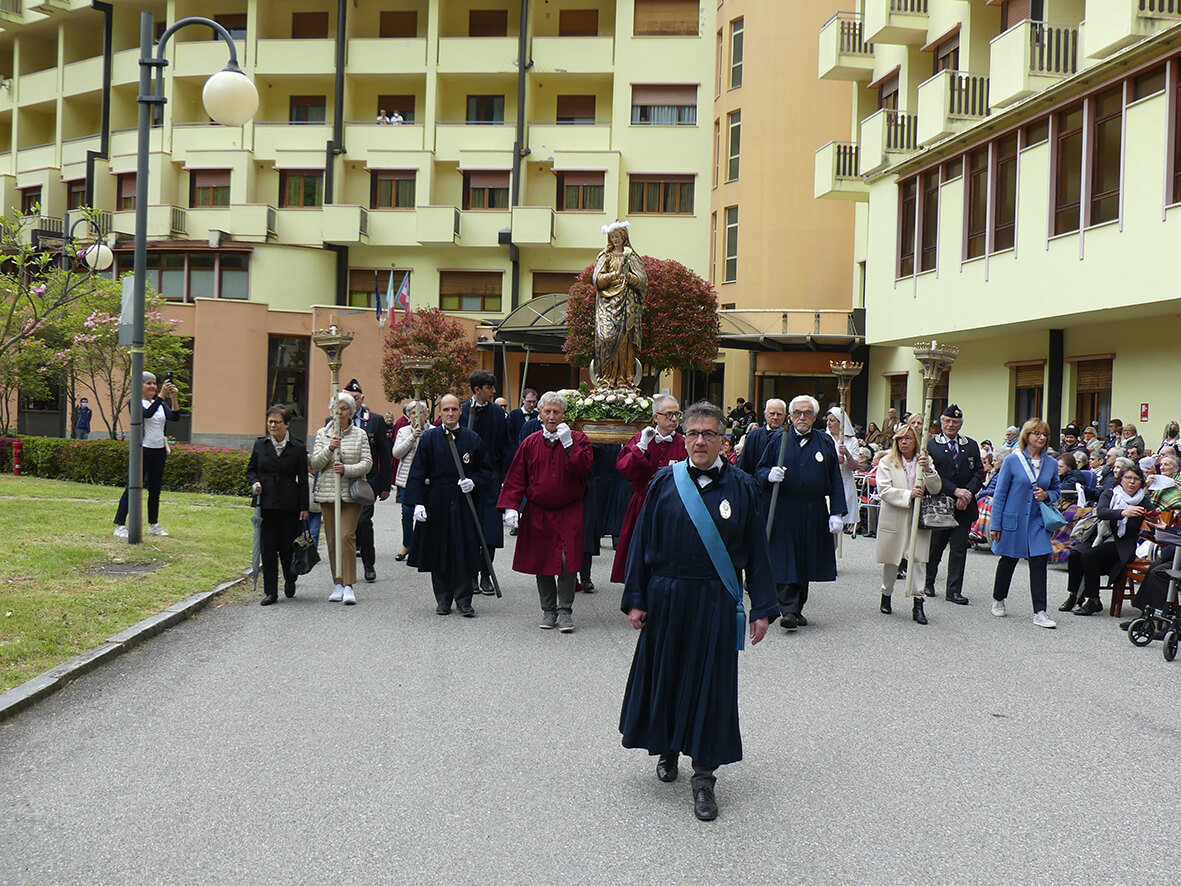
(550, 471)
(645, 454)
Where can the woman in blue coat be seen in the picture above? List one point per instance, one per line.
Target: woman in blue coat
(1026, 479)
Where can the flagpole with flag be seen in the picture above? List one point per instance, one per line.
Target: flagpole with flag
(377, 296)
(402, 299)
(384, 309)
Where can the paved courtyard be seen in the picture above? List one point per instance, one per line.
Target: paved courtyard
(312, 743)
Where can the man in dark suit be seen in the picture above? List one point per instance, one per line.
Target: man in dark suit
(957, 460)
(379, 477)
(486, 418)
(520, 415)
(775, 412)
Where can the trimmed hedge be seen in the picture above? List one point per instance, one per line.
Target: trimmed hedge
(190, 468)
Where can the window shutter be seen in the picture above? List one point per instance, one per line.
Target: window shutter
(459, 283)
(546, 282)
(487, 179)
(309, 25)
(582, 178)
(578, 23)
(1029, 376)
(1093, 375)
(398, 23)
(576, 106)
(487, 23)
(209, 178)
(403, 104)
(898, 387)
(664, 94)
(666, 17)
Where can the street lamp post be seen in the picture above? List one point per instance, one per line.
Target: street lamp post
(230, 99)
(845, 371)
(332, 342)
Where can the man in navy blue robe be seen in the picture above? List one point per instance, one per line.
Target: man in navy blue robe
(808, 511)
(445, 543)
(482, 415)
(682, 692)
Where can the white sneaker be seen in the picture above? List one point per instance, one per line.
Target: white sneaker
(120, 532)
(337, 594)
(1043, 621)
(349, 598)
(998, 608)
(157, 529)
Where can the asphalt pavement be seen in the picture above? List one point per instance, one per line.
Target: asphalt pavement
(313, 743)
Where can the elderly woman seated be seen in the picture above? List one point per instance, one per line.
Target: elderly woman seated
(1076, 485)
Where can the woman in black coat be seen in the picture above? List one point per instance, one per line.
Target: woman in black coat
(1121, 510)
(278, 476)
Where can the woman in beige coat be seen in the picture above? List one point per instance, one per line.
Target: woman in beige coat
(355, 461)
(899, 483)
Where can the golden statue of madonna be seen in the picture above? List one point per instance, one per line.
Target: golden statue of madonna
(620, 285)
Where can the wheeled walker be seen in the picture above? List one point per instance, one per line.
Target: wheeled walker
(1163, 623)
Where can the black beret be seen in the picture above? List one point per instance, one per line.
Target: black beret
(953, 411)
(354, 387)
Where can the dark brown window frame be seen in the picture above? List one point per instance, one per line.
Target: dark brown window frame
(673, 183)
(928, 220)
(976, 185)
(1004, 214)
(286, 175)
(1067, 214)
(1104, 206)
(398, 197)
(907, 220)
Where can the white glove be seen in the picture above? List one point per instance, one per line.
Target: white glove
(834, 524)
(565, 437)
(420, 513)
(257, 489)
(646, 436)
(512, 519)
(777, 473)
(466, 484)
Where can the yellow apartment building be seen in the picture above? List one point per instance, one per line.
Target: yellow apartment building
(782, 262)
(517, 130)
(1017, 172)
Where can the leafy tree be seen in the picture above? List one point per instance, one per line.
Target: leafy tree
(680, 320)
(102, 366)
(427, 332)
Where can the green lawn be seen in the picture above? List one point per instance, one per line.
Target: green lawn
(64, 582)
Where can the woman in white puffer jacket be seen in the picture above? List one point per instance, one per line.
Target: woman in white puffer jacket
(355, 461)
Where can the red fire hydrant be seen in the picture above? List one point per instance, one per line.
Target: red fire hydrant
(17, 445)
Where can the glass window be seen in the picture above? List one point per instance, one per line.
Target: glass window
(907, 198)
(209, 187)
(977, 202)
(1005, 211)
(664, 105)
(485, 109)
(736, 53)
(307, 109)
(30, 200)
(485, 190)
(234, 275)
(75, 193)
(1106, 155)
(1069, 164)
(126, 198)
(731, 268)
(392, 189)
(470, 290)
(735, 145)
(287, 378)
(201, 275)
(1037, 132)
(671, 195)
(299, 187)
(580, 191)
(930, 220)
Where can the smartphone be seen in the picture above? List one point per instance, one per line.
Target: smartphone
(168, 377)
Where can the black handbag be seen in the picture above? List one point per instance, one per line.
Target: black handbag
(305, 556)
(937, 512)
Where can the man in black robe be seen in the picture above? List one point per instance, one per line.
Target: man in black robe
(520, 415)
(756, 438)
(482, 415)
(682, 692)
(380, 475)
(809, 508)
(445, 543)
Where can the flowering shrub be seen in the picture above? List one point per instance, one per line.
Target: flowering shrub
(427, 332)
(680, 321)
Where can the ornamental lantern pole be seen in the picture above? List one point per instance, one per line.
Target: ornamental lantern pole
(934, 358)
(333, 342)
(845, 371)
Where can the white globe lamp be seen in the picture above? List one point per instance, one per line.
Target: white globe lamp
(230, 97)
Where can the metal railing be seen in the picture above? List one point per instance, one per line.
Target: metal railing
(364, 223)
(1053, 48)
(455, 226)
(901, 131)
(272, 221)
(846, 159)
(851, 36)
(176, 220)
(914, 7)
(1160, 7)
(967, 94)
(12, 7)
(49, 224)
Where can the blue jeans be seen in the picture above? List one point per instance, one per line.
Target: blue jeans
(314, 521)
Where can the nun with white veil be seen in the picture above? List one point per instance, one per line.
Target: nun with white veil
(841, 430)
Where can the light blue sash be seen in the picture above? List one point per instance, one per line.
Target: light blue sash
(712, 539)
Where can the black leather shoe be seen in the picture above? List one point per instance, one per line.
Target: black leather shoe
(289, 590)
(800, 620)
(442, 610)
(886, 607)
(402, 554)
(705, 806)
(1071, 601)
(468, 613)
(917, 614)
(928, 592)
(666, 767)
(268, 599)
(789, 622)
(370, 574)
(588, 586)
(1124, 625)
(901, 574)
(958, 599)
(1089, 607)
(486, 587)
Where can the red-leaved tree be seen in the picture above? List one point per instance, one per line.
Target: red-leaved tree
(427, 332)
(680, 322)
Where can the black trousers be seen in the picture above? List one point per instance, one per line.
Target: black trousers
(957, 540)
(1085, 566)
(365, 537)
(153, 460)
(1037, 579)
(452, 586)
(279, 530)
(1153, 592)
(792, 597)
